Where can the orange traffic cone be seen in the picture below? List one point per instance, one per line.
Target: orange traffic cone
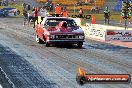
(93, 20)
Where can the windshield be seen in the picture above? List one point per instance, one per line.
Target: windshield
(54, 22)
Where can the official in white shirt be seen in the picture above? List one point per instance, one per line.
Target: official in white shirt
(43, 12)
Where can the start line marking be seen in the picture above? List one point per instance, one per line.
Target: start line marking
(1, 86)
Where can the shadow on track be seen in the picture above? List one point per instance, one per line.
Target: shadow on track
(109, 47)
(70, 46)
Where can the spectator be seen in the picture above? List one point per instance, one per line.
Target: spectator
(86, 1)
(35, 16)
(57, 10)
(28, 7)
(80, 13)
(97, 9)
(93, 9)
(106, 15)
(25, 15)
(24, 5)
(79, 3)
(30, 17)
(5, 2)
(33, 9)
(91, 1)
(65, 13)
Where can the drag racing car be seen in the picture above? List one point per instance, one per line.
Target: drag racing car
(59, 30)
(4, 12)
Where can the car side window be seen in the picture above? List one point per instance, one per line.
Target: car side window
(71, 23)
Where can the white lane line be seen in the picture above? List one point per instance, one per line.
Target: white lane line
(1, 86)
(13, 86)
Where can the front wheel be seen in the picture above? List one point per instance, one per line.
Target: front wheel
(80, 44)
(47, 44)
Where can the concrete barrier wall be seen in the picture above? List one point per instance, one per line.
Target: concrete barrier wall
(119, 35)
(98, 31)
(94, 31)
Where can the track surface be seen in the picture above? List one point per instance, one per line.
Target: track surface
(26, 64)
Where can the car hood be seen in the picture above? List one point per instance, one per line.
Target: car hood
(69, 30)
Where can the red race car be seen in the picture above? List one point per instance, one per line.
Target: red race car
(59, 30)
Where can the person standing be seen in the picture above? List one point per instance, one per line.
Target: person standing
(65, 13)
(106, 15)
(25, 16)
(93, 9)
(24, 5)
(43, 12)
(57, 10)
(35, 16)
(81, 13)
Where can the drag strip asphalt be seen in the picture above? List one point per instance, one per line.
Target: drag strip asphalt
(18, 73)
(31, 65)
